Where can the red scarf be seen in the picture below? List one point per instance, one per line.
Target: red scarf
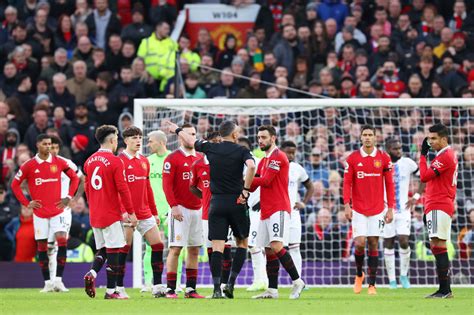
(458, 20)
(67, 36)
(426, 29)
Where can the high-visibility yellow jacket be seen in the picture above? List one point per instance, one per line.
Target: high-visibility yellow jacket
(159, 56)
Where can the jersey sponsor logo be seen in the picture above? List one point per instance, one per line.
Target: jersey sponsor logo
(187, 175)
(361, 174)
(205, 183)
(132, 178)
(156, 175)
(40, 181)
(437, 164)
(377, 163)
(274, 165)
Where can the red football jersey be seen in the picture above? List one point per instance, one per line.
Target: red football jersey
(105, 186)
(201, 178)
(137, 172)
(441, 181)
(44, 182)
(272, 176)
(364, 179)
(176, 177)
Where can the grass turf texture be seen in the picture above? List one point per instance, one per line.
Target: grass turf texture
(313, 301)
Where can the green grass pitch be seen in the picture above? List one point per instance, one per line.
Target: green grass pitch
(313, 301)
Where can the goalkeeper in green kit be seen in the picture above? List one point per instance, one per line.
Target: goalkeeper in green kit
(157, 143)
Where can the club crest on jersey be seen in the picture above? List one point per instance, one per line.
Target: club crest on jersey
(53, 168)
(144, 165)
(378, 164)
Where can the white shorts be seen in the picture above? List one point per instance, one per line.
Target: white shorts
(187, 232)
(275, 228)
(254, 223)
(400, 225)
(295, 227)
(67, 215)
(44, 227)
(205, 234)
(367, 225)
(438, 224)
(109, 237)
(144, 226)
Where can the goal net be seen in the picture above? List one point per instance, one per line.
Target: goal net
(326, 131)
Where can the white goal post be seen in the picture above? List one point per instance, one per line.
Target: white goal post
(324, 124)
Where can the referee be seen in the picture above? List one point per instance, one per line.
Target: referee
(229, 197)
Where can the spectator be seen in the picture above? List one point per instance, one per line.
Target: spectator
(316, 170)
(60, 64)
(254, 88)
(18, 117)
(331, 29)
(427, 20)
(84, 51)
(80, 86)
(323, 238)
(458, 48)
(449, 77)
(255, 53)
(158, 52)
(24, 93)
(226, 88)
(224, 57)
(272, 92)
(381, 18)
(459, 16)
(437, 90)
(426, 72)
(319, 46)
(357, 34)
(390, 80)
(415, 87)
(269, 63)
(81, 125)
(102, 23)
(394, 11)
(416, 11)
(81, 13)
(445, 42)
(128, 53)
(138, 29)
(162, 11)
(80, 214)
(373, 43)
(114, 52)
(205, 45)
(8, 211)
(288, 49)
(39, 126)
(77, 250)
(125, 91)
(237, 67)
(21, 233)
(434, 38)
(102, 114)
(19, 37)
(99, 64)
(65, 36)
(41, 32)
(302, 76)
(60, 95)
(207, 78)
(8, 82)
(11, 18)
(193, 59)
(193, 90)
(333, 9)
(8, 154)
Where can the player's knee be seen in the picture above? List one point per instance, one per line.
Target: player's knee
(388, 243)
(193, 251)
(62, 240)
(175, 251)
(42, 245)
(276, 246)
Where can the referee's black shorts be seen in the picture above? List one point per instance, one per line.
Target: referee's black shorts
(224, 212)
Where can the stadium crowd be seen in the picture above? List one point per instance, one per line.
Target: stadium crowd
(70, 66)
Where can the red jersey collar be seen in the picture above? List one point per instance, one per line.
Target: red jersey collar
(373, 154)
(186, 154)
(443, 149)
(49, 159)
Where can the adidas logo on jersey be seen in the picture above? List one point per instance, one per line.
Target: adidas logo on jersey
(37, 171)
(360, 164)
(186, 164)
(130, 167)
(204, 173)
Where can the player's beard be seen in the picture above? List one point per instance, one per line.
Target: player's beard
(395, 158)
(266, 148)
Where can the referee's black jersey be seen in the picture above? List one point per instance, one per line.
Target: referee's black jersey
(226, 161)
